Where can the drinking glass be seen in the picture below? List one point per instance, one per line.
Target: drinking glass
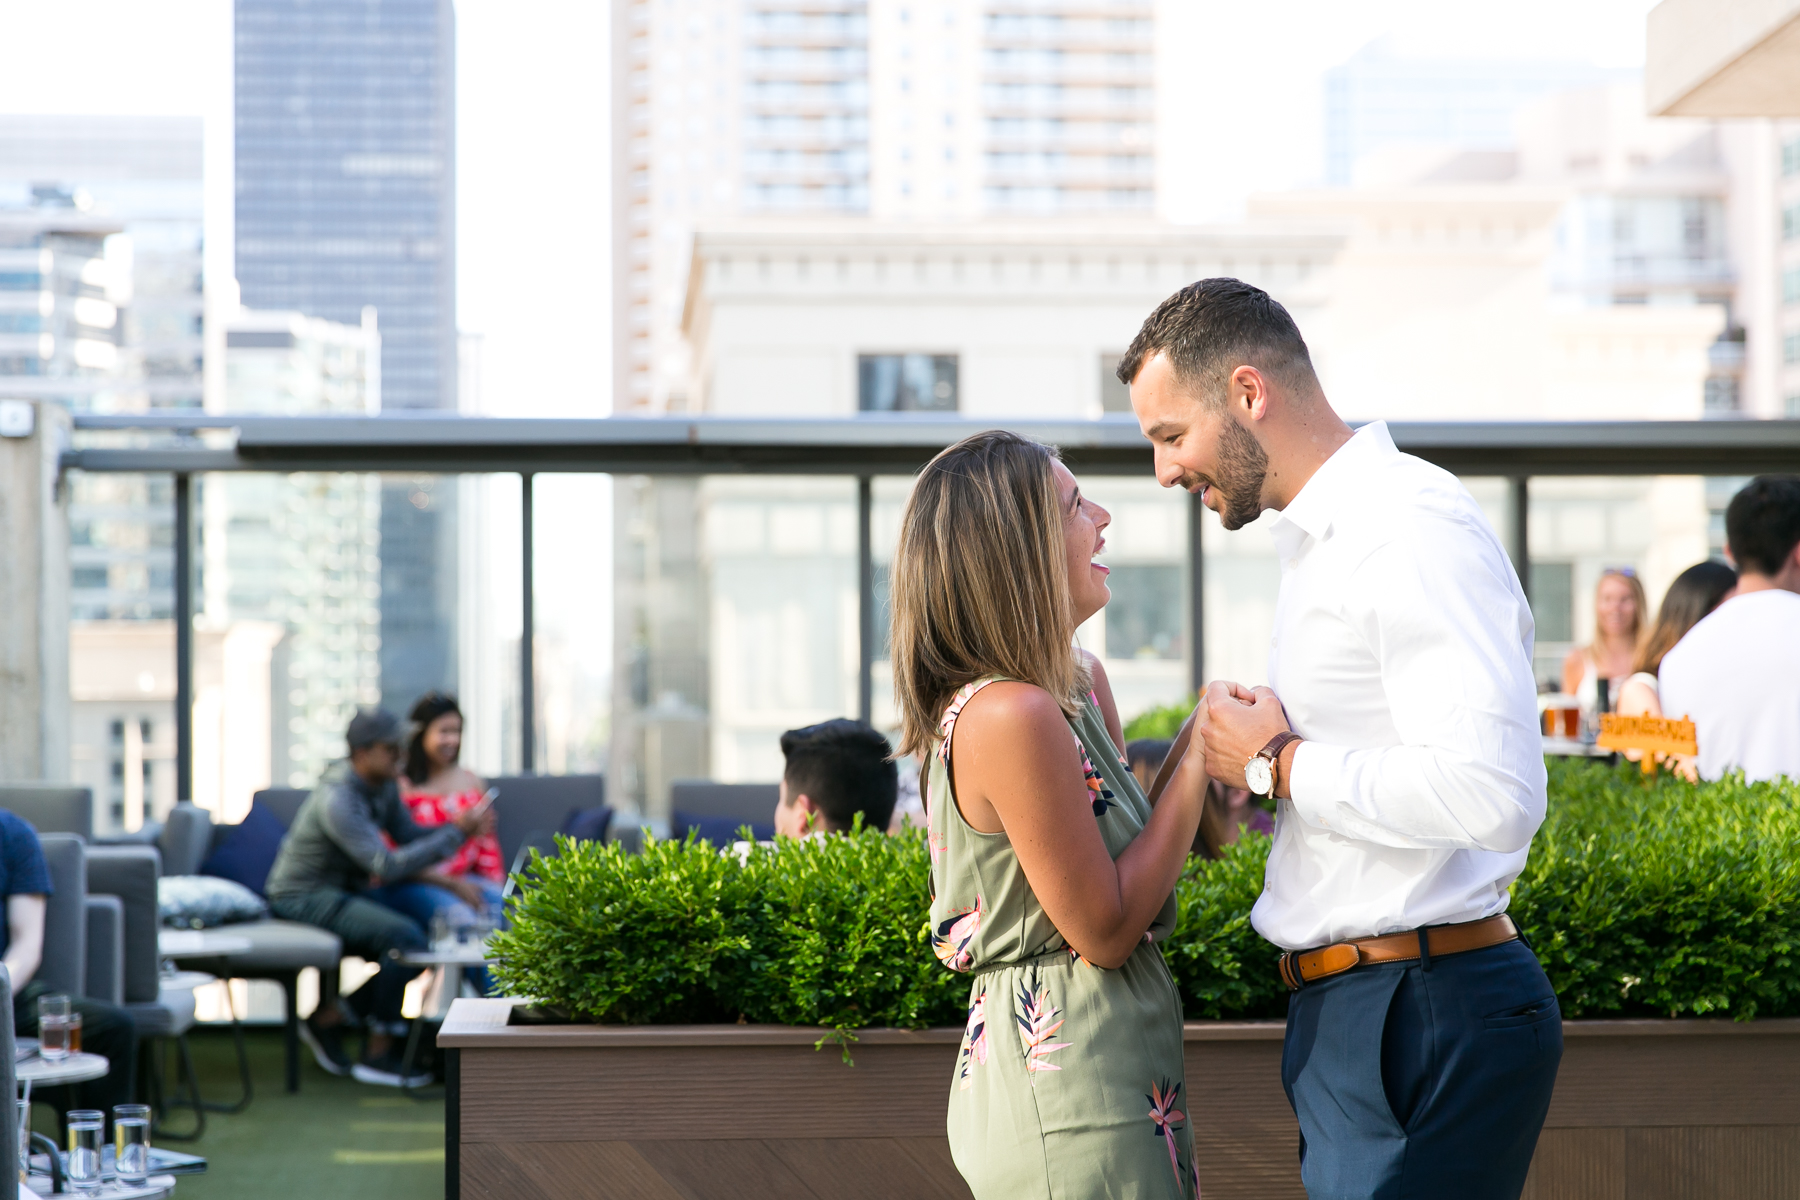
(131, 1142)
(87, 1133)
(440, 930)
(24, 1139)
(53, 1027)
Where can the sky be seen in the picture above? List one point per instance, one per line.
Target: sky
(1241, 112)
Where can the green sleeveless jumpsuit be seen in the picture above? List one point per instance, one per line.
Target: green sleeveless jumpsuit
(1068, 1082)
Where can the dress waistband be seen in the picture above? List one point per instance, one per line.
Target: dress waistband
(1060, 952)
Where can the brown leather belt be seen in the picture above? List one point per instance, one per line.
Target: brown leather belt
(1301, 967)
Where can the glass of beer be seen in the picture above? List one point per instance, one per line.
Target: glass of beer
(56, 1039)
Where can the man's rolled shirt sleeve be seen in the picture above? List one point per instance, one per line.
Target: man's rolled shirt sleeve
(1468, 771)
(349, 825)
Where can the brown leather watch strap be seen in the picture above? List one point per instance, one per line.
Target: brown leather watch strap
(1272, 752)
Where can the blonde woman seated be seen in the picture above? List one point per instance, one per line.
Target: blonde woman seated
(1052, 872)
(1619, 612)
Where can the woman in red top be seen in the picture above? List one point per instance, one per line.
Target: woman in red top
(437, 788)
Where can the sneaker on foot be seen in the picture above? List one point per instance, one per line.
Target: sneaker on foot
(386, 1071)
(326, 1045)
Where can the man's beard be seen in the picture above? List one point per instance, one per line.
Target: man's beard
(1239, 480)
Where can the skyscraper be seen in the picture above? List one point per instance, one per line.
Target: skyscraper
(113, 321)
(1378, 99)
(346, 134)
(891, 108)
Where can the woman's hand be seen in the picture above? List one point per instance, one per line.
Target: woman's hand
(1016, 766)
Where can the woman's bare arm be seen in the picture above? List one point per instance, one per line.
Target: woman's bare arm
(1017, 770)
(1109, 708)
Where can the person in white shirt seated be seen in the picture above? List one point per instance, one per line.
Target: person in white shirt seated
(1401, 742)
(1737, 672)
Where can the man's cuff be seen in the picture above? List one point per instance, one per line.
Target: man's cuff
(1314, 777)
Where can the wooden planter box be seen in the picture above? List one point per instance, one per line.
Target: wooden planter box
(1644, 1110)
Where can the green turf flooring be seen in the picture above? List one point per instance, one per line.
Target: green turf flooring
(337, 1138)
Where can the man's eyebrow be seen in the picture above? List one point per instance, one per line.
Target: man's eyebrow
(1163, 429)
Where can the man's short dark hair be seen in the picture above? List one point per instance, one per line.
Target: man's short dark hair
(1210, 328)
(1762, 523)
(845, 768)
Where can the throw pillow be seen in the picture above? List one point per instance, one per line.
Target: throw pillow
(203, 901)
(248, 852)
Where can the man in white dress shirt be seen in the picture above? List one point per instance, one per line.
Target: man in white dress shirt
(1401, 741)
(1737, 672)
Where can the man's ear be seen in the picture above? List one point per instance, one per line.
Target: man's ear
(815, 816)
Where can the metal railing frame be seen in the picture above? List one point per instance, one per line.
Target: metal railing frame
(860, 447)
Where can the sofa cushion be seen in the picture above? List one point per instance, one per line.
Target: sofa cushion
(204, 901)
(275, 946)
(130, 873)
(248, 852)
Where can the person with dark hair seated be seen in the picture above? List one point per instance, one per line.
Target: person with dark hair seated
(331, 856)
(835, 770)
(105, 1029)
(1227, 812)
(1737, 672)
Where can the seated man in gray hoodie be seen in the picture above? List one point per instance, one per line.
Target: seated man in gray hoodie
(334, 852)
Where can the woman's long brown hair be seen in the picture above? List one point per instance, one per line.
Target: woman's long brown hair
(980, 582)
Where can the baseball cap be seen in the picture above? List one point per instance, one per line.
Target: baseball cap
(373, 727)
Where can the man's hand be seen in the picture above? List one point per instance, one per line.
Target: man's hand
(1231, 724)
(457, 886)
(478, 820)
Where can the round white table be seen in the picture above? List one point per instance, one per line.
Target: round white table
(439, 959)
(157, 1187)
(77, 1068)
(199, 943)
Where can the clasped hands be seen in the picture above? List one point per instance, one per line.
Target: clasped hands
(1231, 723)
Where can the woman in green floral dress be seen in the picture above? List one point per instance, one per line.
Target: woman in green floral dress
(1053, 874)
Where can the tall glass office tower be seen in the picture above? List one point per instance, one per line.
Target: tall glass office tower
(346, 132)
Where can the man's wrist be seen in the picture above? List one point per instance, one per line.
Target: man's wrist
(1284, 788)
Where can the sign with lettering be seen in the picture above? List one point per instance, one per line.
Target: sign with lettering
(1652, 735)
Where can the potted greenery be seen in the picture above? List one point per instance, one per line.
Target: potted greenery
(694, 1016)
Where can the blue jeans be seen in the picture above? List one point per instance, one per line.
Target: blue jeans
(422, 901)
(1414, 1082)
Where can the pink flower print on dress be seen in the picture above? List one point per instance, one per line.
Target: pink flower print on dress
(950, 941)
(1038, 1022)
(1098, 792)
(975, 1043)
(1164, 1116)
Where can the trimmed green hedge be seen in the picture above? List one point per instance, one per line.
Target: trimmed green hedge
(1660, 899)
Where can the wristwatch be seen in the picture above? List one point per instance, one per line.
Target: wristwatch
(1261, 769)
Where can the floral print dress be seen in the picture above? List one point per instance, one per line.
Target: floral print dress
(1068, 1081)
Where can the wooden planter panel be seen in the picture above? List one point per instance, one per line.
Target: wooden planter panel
(1644, 1110)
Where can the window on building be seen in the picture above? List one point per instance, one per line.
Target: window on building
(1115, 397)
(1790, 348)
(1790, 286)
(1144, 617)
(906, 382)
(1790, 157)
(1553, 601)
(1790, 222)
(1793, 405)
(1721, 394)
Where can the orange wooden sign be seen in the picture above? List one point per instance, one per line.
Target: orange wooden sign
(1652, 735)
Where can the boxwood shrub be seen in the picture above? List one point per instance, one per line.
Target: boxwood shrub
(1640, 899)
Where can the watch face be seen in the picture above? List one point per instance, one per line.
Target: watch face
(1258, 775)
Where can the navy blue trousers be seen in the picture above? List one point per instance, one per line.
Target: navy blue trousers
(1429, 1083)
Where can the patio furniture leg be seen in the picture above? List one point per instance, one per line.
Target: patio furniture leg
(290, 986)
(243, 1058)
(185, 1066)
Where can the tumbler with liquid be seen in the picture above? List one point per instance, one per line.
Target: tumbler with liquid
(24, 1140)
(87, 1134)
(131, 1143)
(58, 1031)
